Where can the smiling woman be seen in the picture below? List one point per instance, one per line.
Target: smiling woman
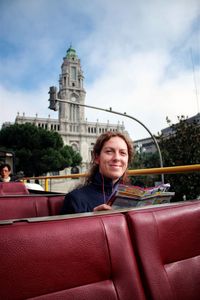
(113, 158)
(111, 155)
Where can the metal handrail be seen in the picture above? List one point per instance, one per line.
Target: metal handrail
(148, 171)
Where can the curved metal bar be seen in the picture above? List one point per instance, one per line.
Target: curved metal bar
(124, 115)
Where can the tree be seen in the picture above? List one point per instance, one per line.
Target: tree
(37, 150)
(144, 160)
(182, 147)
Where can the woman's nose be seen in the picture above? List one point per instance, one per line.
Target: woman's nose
(116, 156)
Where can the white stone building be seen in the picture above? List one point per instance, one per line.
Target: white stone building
(71, 124)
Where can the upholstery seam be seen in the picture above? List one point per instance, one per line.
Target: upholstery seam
(36, 209)
(177, 261)
(109, 253)
(157, 229)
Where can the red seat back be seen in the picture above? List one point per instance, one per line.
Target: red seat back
(81, 258)
(10, 188)
(55, 204)
(167, 242)
(17, 207)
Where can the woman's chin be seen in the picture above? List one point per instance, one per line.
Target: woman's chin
(116, 175)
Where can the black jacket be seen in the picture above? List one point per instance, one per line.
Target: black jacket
(89, 196)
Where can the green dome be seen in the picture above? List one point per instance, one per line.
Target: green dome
(71, 52)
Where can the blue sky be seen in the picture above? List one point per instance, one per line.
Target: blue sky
(140, 57)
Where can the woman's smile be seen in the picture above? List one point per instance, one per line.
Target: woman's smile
(113, 158)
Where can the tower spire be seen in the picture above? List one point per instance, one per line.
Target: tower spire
(71, 89)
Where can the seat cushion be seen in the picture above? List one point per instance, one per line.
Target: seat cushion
(75, 258)
(17, 207)
(167, 242)
(10, 188)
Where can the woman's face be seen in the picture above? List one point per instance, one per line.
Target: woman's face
(113, 158)
(5, 173)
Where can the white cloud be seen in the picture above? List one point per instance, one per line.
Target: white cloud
(135, 56)
(137, 87)
(28, 103)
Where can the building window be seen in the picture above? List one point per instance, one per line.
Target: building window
(73, 73)
(55, 173)
(74, 147)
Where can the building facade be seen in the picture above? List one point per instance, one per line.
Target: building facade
(147, 145)
(71, 124)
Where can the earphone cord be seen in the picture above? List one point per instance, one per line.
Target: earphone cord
(103, 191)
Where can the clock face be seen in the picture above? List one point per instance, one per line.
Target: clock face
(73, 99)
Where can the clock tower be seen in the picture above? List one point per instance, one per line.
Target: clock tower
(71, 89)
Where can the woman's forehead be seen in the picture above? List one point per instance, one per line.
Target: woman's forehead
(116, 142)
(5, 169)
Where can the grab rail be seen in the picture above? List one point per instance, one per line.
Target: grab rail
(148, 171)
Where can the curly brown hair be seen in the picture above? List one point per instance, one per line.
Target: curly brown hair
(101, 140)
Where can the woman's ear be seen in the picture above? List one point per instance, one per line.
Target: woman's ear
(96, 160)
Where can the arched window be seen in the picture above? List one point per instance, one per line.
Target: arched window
(74, 147)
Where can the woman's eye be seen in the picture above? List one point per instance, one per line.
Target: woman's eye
(123, 153)
(109, 151)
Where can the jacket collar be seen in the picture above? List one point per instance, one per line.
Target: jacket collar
(99, 180)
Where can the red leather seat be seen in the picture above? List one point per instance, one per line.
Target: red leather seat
(29, 206)
(167, 242)
(55, 204)
(10, 188)
(77, 258)
(17, 207)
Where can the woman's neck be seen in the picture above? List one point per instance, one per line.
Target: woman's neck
(113, 181)
(7, 179)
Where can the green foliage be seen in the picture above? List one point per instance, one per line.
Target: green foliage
(182, 147)
(74, 158)
(37, 150)
(143, 160)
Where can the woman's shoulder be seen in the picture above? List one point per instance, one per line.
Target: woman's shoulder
(80, 190)
(78, 200)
